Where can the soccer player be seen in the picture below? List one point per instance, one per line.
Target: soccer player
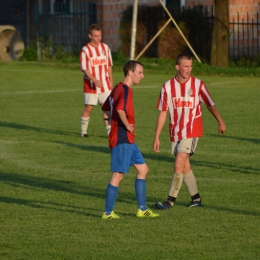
(182, 96)
(96, 64)
(124, 151)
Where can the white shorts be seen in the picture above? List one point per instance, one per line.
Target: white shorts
(185, 146)
(94, 99)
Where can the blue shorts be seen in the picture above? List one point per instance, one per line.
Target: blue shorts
(123, 156)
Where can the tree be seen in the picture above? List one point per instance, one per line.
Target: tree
(220, 36)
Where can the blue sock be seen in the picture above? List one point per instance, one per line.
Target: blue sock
(140, 191)
(111, 194)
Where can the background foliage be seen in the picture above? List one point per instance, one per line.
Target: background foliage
(192, 22)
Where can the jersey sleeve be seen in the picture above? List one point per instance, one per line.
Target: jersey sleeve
(83, 59)
(110, 61)
(162, 100)
(122, 96)
(205, 97)
(106, 106)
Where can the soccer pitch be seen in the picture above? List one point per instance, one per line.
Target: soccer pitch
(53, 182)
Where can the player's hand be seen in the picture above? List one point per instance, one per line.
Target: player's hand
(130, 128)
(98, 83)
(221, 128)
(156, 145)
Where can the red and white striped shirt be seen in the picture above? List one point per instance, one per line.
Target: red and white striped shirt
(96, 60)
(183, 101)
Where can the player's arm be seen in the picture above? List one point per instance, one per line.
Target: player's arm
(221, 125)
(122, 116)
(107, 108)
(87, 73)
(110, 75)
(97, 82)
(159, 126)
(108, 113)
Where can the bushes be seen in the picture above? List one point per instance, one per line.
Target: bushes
(125, 37)
(158, 66)
(169, 43)
(29, 54)
(48, 51)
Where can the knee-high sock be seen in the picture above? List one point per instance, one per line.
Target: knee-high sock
(108, 128)
(140, 191)
(176, 183)
(84, 125)
(111, 194)
(190, 183)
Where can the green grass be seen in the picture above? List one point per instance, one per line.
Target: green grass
(52, 182)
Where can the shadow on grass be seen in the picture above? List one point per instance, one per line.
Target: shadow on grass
(31, 182)
(106, 149)
(59, 207)
(234, 211)
(43, 130)
(170, 158)
(225, 167)
(25, 181)
(244, 139)
(94, 148)
(36, 129)
(43, 205)
(222, 209)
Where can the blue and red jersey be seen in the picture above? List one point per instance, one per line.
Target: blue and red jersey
(120, 99)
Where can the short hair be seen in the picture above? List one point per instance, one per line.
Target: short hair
(131, 65)
(182, 56)
(93, 27)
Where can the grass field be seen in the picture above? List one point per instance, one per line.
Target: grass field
(52, 182)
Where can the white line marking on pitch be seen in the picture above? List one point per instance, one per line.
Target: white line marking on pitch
(43, 71)
(73, 90)
(36, 92)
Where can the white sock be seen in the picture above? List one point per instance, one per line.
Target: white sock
(108, 128)
(190, 182)
(84, 125)
(176, 183)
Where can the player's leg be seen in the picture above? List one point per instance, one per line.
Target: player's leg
(191, 185)
(85, 117)
(102, 98)
(90, 100)
(138, 162)
(107, 122)
(189, 178)
(111, 195)
(176, 182)
(181, 150)
(118, 167)
(140, 185)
